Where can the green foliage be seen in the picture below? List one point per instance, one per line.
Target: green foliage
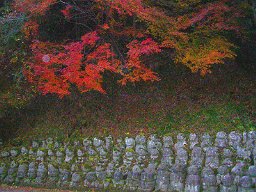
(13, 97)
(14, 93)
(11, 25)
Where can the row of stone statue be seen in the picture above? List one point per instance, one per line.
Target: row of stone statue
(226, 162)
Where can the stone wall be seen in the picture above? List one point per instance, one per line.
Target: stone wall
(225, 162)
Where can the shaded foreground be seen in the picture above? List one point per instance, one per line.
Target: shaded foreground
(180, 103)
(5, 188)
(225, 162)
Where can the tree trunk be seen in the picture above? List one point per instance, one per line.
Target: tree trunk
(253, 3)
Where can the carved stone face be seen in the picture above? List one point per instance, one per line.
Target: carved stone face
(168, 142)
(21, 171)
(118, 176)
(129, 141)
(64, 175)
(13, 153)
(69, 152)
(35, 144)
(221, 139)
(76, 177)
(97, 142)
(24, 151)
(140, 139)
(52, 171)
(234, 139)
(141, 150)
(87, 142)
(41, 170)
(80, 153)
(192, 136)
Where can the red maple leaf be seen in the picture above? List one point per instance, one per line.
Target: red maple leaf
(66, 11)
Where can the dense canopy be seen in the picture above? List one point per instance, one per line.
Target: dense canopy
(60, 44)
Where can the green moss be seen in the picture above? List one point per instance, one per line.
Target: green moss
(24, 159)
(43, 149)
(51, 146)
(65, 165)
(61, 149)
(129, 150)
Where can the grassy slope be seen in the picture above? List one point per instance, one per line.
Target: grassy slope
(181, 102)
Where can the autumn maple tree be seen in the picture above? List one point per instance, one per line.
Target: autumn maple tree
(118, 35)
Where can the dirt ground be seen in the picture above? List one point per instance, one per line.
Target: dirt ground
(27, 189)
